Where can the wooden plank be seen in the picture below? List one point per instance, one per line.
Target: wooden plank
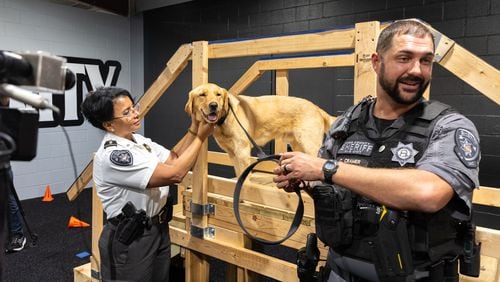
(97, 223)
(251, 75)
(339, 39)
(82, 273)
(266, 265)
(223, 159)
(365, 78)
(474, 71)
(80, 182)
(259, 67)
(487, 273)
(282, 89)
(487, 196)
(490, 239)
(262, 221)
(308, 62)
(174, 67)
(197, 266)
(265, 195)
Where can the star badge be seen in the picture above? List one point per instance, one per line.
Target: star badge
(404, 153)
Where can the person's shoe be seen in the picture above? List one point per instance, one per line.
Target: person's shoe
(16, 244)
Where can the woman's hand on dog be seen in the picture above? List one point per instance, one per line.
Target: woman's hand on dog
(205, 129)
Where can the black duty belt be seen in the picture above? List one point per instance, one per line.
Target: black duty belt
(236, 204)
(160, 218)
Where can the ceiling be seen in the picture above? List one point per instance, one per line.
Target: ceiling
(118, 7)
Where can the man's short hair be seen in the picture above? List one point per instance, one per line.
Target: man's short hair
(410, 26)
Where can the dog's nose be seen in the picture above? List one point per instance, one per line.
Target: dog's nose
(213, 106)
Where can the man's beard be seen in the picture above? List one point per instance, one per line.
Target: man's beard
(393, 90)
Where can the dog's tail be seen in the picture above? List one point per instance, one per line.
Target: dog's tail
(327, 120)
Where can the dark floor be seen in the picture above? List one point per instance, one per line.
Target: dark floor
(55, 254)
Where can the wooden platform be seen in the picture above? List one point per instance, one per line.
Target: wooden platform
(266, 210)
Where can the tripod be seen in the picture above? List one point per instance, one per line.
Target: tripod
(7, 184)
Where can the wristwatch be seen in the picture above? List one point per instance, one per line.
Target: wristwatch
(329, 169)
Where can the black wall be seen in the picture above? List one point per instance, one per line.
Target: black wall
(474, 24)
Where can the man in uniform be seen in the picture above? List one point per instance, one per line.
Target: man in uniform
(398, 173)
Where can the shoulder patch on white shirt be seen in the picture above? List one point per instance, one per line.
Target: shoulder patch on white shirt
(121, 157)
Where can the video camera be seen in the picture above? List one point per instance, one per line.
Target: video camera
(20, 74)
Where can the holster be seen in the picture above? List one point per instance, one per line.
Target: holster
(131, 225)
(333, 215)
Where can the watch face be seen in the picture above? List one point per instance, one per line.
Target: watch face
(329, 165)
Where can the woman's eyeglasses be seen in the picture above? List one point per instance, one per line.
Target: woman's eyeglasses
(128, 112)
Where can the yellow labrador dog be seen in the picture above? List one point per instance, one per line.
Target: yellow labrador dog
(298, 121)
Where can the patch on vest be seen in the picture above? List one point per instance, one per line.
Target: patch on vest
(121, 157)
(362, 148)
(404, 154)
(466, 147)
(110, 143)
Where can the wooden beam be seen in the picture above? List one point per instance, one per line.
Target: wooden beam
(80, 182)
(197, 266)
(338, 39)
(474, 71)
(174, 67)
(365, 78)
(490, 239)
(308, 62)
(282, 89)
(251, 75)
(259, 67)
(487, 196)
(240, 256)
(97, 223)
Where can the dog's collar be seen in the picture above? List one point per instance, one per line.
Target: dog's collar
(222, 120)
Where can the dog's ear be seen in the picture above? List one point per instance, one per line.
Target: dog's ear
(189, 105)
(225, 106)
(232, 101)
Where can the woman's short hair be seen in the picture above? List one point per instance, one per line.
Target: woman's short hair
(98, 106)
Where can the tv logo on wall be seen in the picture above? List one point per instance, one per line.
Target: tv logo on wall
(90, 74)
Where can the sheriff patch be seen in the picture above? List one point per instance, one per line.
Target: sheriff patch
(362, 148)
(403, 154)
(121, 157)
(467, 147)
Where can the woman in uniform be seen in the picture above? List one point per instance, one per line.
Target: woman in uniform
(131, 174)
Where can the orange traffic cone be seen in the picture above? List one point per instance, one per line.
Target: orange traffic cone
(48, 195)
(75, 222)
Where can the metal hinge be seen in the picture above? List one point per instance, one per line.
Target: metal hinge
(197, 209)
(200, 232)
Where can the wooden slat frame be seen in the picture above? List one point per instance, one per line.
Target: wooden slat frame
(174, 67)
(451, 56)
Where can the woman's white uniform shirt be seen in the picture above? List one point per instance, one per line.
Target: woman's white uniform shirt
(122, 169)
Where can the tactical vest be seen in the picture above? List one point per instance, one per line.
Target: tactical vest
(431, 236)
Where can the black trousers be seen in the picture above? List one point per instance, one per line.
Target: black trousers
(145, 259)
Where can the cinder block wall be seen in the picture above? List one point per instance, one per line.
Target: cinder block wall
(471, 23)
(31, 25)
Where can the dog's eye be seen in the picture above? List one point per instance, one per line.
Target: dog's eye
(202, 95)
(218, 94)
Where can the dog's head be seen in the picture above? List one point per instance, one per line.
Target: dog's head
(209, 102)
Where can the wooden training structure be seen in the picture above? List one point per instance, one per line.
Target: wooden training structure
(266, 210)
